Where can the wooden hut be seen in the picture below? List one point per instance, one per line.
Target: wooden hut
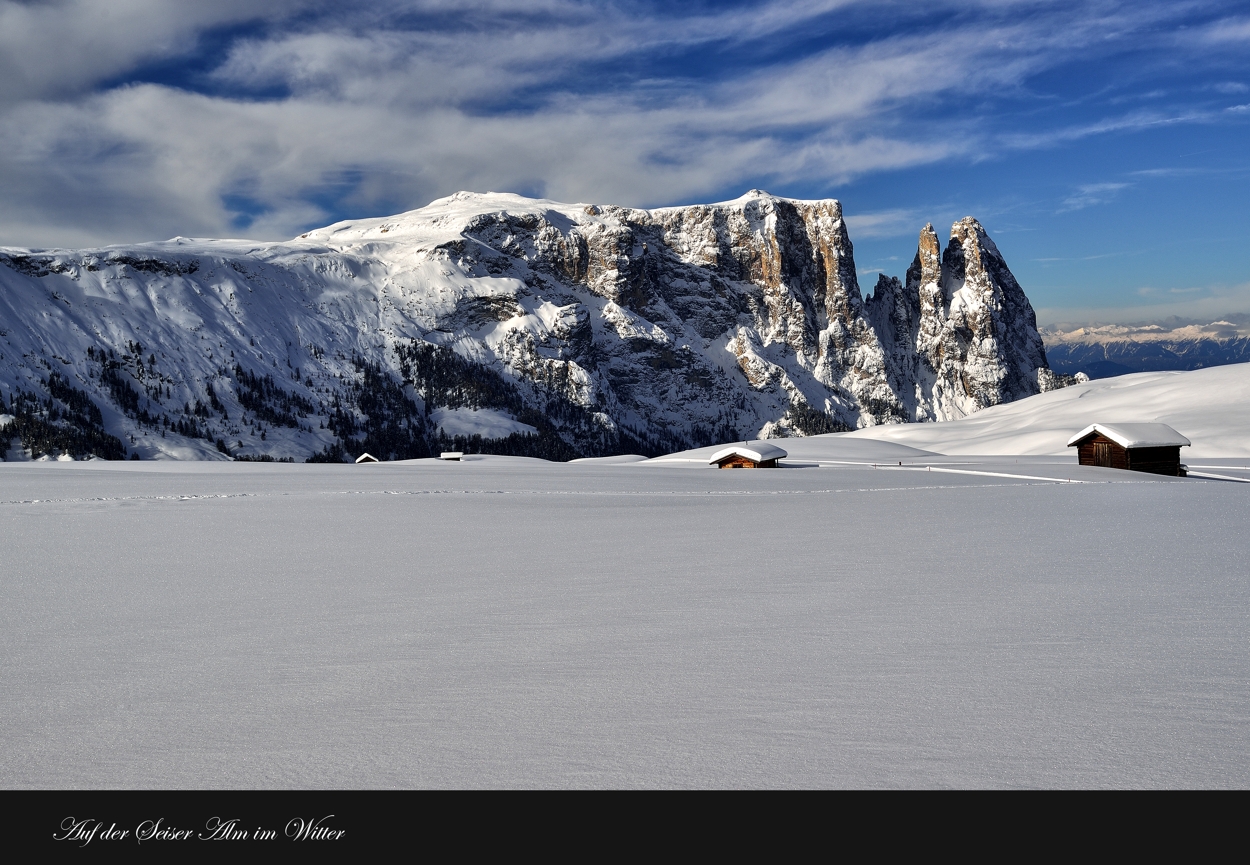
(759, 455)
(366, 458)
(451, 456)
(1137, 447)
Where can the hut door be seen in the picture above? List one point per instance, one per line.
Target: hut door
(1102, 454)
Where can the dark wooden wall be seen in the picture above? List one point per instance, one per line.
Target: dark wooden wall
(1098, 450)
(1158, 461)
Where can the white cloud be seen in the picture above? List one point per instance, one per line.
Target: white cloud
(157, 157)
(1226, 31)
(1091, 194)
(559, 97)
(1169, 172)
(1132, 122)
(884, 223)
(55, 49)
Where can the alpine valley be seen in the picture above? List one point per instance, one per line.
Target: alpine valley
(502, 324)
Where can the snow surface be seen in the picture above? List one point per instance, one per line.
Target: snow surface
(488, 423)
(1210, 407)
(507, 622)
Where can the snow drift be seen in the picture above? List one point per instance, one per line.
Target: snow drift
(1210, 407)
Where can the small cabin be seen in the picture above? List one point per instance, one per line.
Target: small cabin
(759, 455)
(1136, 447)
(451, 456)
(366, 458)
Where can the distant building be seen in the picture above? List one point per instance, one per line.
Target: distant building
(366, 458)
(1137, 447)
(452, 456)
(755, 456)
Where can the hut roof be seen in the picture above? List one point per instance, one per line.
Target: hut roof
(758, 451)
(366, 458)
(1134, 435)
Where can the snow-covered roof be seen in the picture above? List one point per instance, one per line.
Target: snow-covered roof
(758, 451)
(1134, 435)
(366, 458)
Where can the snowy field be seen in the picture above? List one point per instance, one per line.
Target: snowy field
(1210, 407)
(967, 622)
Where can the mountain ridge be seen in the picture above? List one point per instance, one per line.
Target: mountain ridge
(1116, 349)
(585, 329)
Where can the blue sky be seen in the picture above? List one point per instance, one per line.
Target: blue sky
(1103, 145)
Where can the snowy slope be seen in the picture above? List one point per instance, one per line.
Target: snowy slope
(1210, 407)
(552, 330)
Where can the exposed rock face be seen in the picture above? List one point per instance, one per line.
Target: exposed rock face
(961, 335)
(587, 330)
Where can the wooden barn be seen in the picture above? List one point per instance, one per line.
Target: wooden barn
(759, 455)
(1137, 447)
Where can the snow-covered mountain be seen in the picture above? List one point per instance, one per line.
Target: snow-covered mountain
(1114, 349)
(547, 329)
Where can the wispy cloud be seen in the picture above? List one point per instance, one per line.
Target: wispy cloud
(1225, 31)
(1169, 172)
(1132, 122)
(1091, 194)
(60, 49)
(885, 223)
(309, 108)
(1206, 303)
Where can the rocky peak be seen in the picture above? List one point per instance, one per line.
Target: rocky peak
(924, 278)
(978, 332)
(926, 267)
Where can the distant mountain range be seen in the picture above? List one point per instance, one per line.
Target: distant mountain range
(504, 324)
(1109, 350)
